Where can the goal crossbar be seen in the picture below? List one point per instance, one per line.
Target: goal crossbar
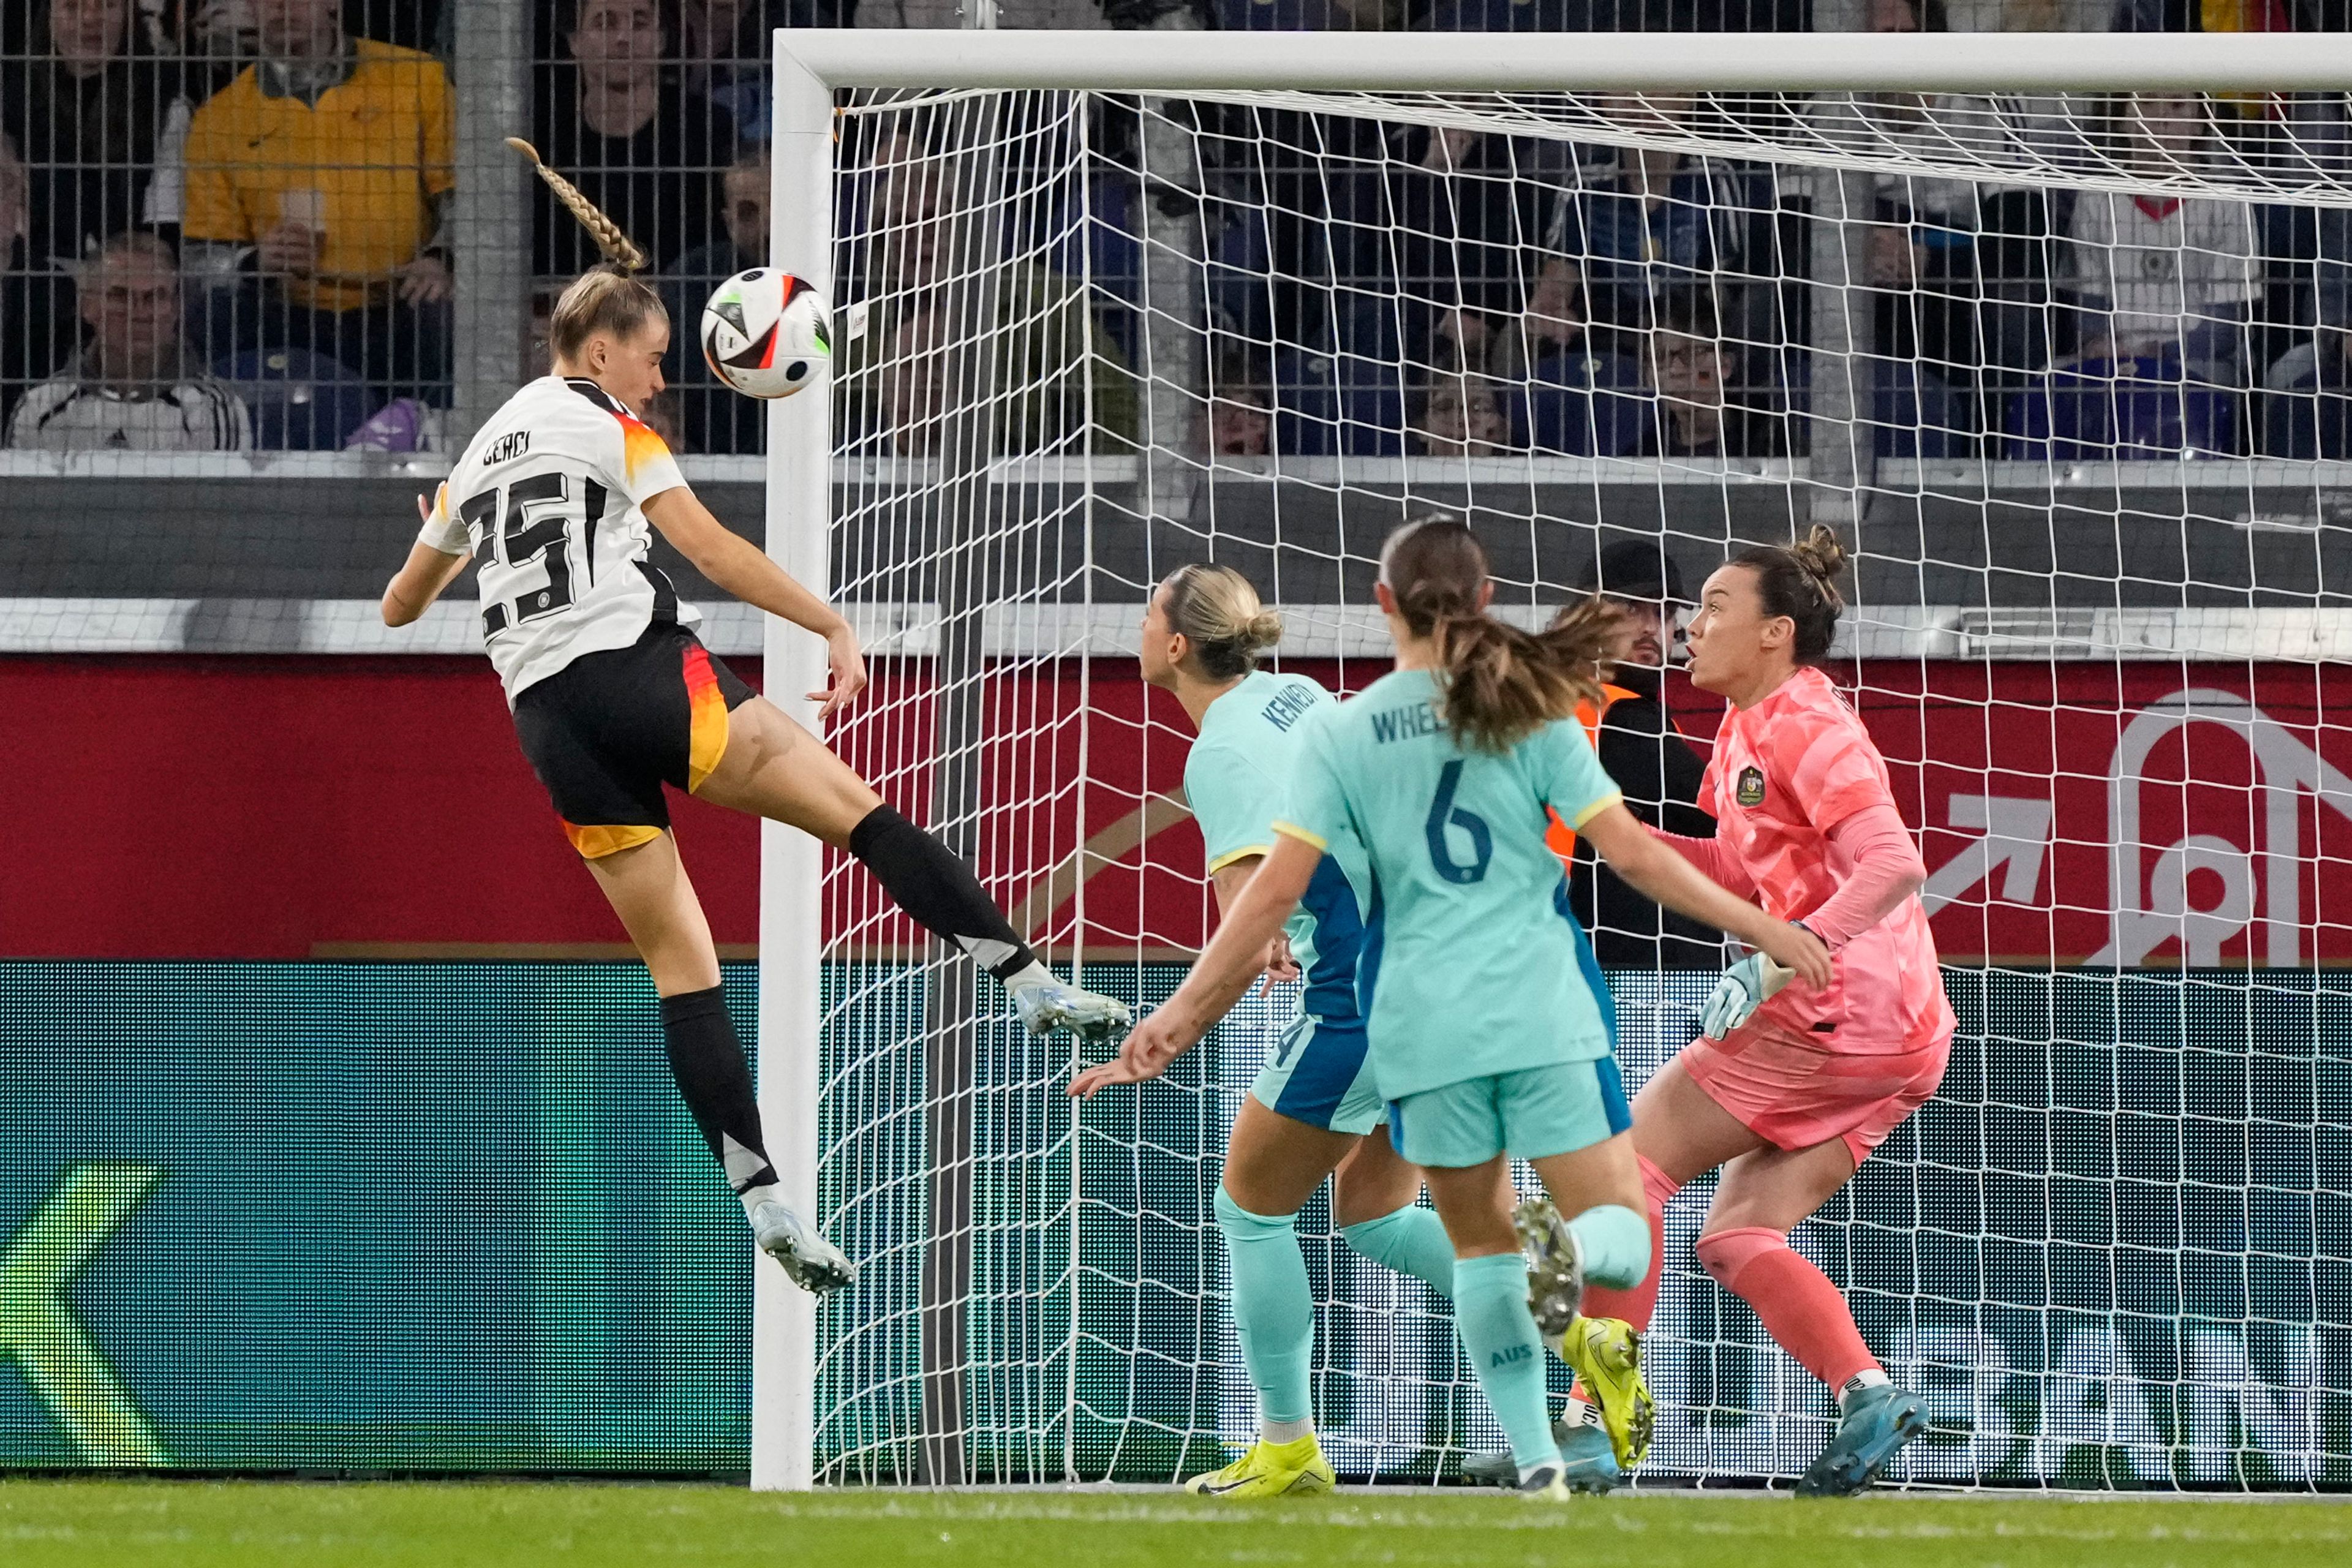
(1572, 62)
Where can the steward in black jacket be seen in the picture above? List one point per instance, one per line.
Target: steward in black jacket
(1641, 750)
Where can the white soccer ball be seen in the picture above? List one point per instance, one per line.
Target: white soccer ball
(767, 334)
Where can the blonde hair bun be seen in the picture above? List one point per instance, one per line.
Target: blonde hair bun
(1216, 609)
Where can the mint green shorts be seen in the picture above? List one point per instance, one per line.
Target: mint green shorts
(1532, 1114)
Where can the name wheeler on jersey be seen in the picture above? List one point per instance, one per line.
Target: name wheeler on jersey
(550, 497)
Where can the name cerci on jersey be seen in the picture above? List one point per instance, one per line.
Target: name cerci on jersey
(506, 448)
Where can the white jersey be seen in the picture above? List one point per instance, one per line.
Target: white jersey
(69, 415)
(2163, 266)
(550, 497)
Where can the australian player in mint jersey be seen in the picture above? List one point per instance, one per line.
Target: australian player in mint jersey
(614, 696)
(1314, 1108)
(1490, 1031)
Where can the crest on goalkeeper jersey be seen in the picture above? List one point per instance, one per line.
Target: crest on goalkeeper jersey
(767, 334)
(1751, 789)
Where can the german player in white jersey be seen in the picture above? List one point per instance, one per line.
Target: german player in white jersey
(614, 696)
(1314, 1108)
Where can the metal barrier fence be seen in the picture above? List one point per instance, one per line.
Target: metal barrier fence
(295, 227)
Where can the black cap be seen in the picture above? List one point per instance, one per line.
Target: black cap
(1635, 569)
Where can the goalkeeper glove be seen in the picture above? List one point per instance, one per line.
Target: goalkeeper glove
(1744, 986)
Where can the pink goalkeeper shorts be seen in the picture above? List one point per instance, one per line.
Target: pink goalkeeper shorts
(1792, 1094)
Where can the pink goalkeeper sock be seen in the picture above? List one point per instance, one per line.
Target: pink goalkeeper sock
(1638, 1303)
(1796, 1302)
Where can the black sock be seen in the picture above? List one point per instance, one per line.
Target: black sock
(938, 890)
(708, 1062)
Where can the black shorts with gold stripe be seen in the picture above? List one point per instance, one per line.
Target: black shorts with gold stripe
(608, 730)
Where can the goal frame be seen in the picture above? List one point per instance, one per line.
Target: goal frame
(811, 64)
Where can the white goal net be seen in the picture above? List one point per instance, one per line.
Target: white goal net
(2072, 374)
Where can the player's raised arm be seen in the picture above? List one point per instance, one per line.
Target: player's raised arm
(1224, 971)
(434, 563)
(1656, 870)
(739, 567)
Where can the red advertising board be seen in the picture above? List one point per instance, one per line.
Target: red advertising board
(2134, 814)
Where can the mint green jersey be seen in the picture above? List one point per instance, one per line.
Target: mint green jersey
(1236, 781)
(1473, 963)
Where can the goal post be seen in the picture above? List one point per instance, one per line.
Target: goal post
(1034, 490)
(791, 936)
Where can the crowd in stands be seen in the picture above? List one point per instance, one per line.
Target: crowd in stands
(225, 225)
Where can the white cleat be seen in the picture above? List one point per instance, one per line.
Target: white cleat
(815, 1265)
(1545, 1483)
(1555, 1265)
(1052, 1005)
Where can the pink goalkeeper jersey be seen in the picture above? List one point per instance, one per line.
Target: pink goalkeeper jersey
(1784, 772)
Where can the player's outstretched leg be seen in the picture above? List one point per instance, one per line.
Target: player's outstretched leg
(941, 891)
(774, 768)
(1806, 1317)
(648, 889)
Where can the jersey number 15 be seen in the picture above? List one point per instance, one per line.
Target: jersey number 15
(539, 517)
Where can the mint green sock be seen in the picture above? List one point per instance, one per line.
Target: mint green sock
(1490, 1308)
(1272, 1309)
(1616, 1242)
(1411, 1241)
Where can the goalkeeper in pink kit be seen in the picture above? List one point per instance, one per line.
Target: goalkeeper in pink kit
(1789, 1090)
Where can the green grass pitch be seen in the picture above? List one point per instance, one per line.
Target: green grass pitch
(99, 1524)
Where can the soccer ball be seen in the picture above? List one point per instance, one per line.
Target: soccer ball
(767, 334)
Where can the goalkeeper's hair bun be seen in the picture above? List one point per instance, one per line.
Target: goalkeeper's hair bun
(1799, 580)
(1216, 609)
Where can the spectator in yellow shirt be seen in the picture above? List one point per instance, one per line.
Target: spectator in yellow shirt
(315, 181)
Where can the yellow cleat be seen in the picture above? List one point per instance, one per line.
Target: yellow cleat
(1607, 1355)
(1269, 1469)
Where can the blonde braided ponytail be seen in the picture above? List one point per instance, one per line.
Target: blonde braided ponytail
(616, 246)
